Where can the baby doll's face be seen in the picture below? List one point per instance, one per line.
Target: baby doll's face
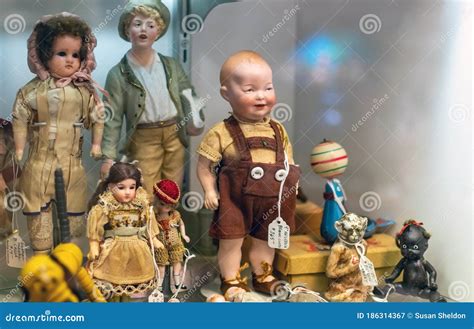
(143, 31)
(124, 191)
(66, 56)
(250, 91)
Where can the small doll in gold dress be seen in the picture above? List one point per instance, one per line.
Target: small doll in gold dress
(120, 227)
(172, 229)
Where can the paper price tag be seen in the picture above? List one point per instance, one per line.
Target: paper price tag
(156, 297)
(16, 251)
(278, 234)
(369, 278)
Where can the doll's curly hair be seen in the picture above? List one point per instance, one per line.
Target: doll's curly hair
(57, 26)
(146, 12)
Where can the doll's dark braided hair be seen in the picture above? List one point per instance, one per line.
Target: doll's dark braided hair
(119, 171)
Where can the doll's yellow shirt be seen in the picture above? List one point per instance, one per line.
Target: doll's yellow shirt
(217, 143)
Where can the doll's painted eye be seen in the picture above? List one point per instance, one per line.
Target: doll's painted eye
(404, 246)
(62, 53)
(75, 55)
(415, 247)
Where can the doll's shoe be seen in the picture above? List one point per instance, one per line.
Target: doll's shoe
(238, 281)
(259, 283)
(177, 280)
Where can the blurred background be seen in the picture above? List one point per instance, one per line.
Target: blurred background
(389, 80)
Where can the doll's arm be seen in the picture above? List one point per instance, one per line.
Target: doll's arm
(182, 230)
(97, 113)
(94, 248)
(396, 271)
(21, 118)
(154, 229)
(113, 116)
(431, 275)
(208, 183)
(95, 231)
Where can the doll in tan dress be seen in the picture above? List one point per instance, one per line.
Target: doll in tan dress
(121, 227)
(172, 230)
(49, 114)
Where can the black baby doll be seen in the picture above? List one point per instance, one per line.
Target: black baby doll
(419, 276)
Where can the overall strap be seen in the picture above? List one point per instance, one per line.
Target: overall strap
(237, 135)
(280, 151)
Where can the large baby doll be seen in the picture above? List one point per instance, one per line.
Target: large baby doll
(256, 158)
(50, 113)
(151, 95)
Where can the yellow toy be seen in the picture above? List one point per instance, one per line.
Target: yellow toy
(48, 278)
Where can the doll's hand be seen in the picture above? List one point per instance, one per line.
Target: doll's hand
(186, 238)
(93, 252)
(433, 286)
(19, 155)
(158, 244)
(96, 151)
(105, 168)
(211, 200)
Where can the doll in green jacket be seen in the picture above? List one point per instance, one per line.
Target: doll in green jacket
(150, 93)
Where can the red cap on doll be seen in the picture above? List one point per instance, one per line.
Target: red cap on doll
(167, 191)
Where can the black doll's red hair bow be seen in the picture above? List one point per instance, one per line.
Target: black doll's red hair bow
(408, 223)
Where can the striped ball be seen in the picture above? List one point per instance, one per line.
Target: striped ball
(329, 159)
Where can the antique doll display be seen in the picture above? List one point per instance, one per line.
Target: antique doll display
(329, 160)
(59, 277)
(172, 230)
(419, 276)
(49, 114)
(9, 171)
(256, 168)
(121, 228)
(152, 95)
(344, 262)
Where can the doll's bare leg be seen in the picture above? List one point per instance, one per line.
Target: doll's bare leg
(229, 257)
(161, 268)
(77, 228)
(40, 229)
(261, 252)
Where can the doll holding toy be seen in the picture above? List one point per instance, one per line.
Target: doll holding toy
(256, 160)
(151, 95)
(122, 232)
(50, 113)
(172, 230)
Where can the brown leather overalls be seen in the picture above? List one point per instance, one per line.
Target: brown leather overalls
(249, 190)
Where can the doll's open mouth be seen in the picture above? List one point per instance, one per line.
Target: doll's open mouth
(143, 36)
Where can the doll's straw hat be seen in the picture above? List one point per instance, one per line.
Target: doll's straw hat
(167, 191)
(155, 4)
